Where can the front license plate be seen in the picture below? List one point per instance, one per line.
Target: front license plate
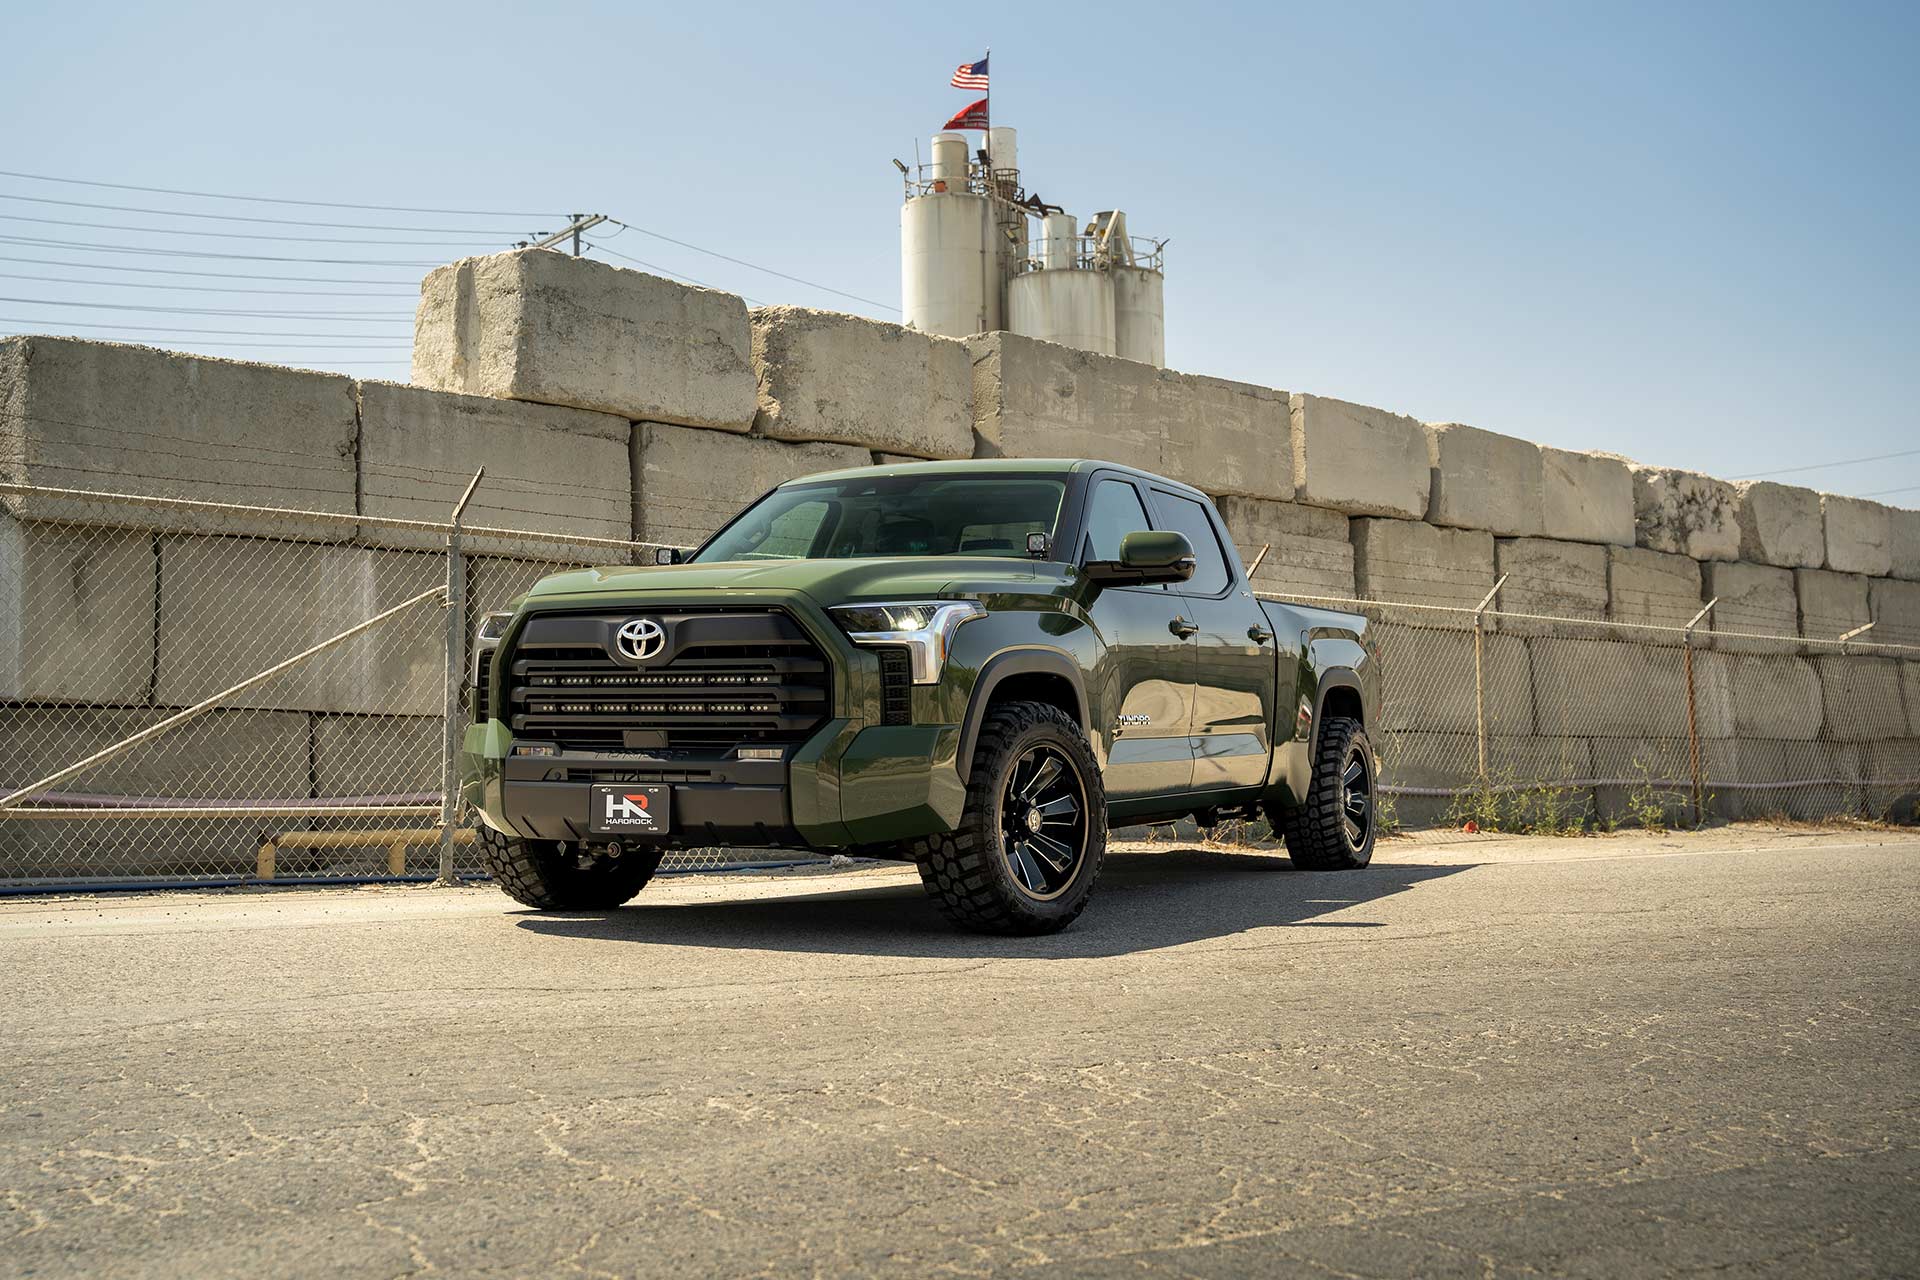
(630, 811)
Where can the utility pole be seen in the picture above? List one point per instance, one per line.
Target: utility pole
(581, 222)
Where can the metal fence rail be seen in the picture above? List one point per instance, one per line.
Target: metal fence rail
(222, 693)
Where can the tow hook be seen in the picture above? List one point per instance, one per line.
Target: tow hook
(613, 849)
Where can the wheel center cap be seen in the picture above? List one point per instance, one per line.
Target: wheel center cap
(1034, 819)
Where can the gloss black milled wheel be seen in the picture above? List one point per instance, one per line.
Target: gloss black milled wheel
(1043, 822)
(1027, 850)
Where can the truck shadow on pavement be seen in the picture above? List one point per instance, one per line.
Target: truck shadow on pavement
(1145, 900)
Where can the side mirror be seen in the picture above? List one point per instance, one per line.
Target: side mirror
(666, 555)
(1146, 558)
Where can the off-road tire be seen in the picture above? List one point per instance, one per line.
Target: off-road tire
(966, 872)
(1315, 832)
(536, 874)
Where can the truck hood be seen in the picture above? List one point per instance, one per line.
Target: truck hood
(829, 582)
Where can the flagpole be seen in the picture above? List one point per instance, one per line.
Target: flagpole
(992, 160)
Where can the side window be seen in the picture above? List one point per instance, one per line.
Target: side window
(1113, 512)
(1210, 576)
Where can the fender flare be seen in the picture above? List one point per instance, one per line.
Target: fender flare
(1330, 679)
(1017, 662)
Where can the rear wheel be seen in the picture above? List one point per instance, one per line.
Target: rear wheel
(1034, 834)
(538, 874)
(1334, 829)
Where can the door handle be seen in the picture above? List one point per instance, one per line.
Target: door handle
(1259, 634)
(1183, 628)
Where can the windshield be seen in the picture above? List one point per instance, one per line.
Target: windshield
(886, 516)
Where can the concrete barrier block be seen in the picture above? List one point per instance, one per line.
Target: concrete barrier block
(1429, 681)
(1651, 587)
(1586, 497)
(1538, 778)
(99, 415)
(548, 469)
(543, 326)
(1862, 698)
(225, 755)
(1894, 606)
(849, 380)
(1034, 399)
(1410, 562)
(1773, 695)
(1759, 778)
(688, 483)
(1684, 513)
(1893, 780)
(1360, 460)
(390, 758)
(1755, 600)
(1483, 480)
(1903, 543)
(1543, 576)
(1609, 689)
(1311, 554)
(1780, 524)
(76, 613)
(231, 607)
(1831, 604)
(1859, 535)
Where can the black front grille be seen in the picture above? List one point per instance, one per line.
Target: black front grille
(723, 679)
(896, 685)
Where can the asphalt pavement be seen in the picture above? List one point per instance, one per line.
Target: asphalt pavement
(1623, 1056)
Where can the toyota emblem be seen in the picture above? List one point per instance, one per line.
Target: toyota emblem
(641, 639)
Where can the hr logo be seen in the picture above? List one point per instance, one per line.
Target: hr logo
(641, 639)
(633, 808)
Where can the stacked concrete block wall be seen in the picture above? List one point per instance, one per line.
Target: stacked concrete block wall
(611, 403)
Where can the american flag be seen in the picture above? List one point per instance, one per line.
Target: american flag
(971, 75)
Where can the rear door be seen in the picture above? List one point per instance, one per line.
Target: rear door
(1146, 672)
(1234, 665)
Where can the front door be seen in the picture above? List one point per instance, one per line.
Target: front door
(1235, 668)
(1145, 676)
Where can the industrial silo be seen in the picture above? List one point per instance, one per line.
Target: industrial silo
(950, 258)
(1139, 315)
(1067, 300)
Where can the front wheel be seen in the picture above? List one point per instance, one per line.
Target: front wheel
(1030, 844)
(536, 873)
(1334, 829)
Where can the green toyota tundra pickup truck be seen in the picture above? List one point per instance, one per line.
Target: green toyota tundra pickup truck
(977, 667)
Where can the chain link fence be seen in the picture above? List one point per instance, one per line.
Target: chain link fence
(1502, 721)
(214, 692)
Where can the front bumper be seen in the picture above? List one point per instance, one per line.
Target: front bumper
(847, 785)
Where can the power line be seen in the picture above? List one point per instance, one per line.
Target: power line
(205, 275)
(652, 266)
(278, 222)
(383, 317)
(167, 328)
(404, 291)
(742, 262)
(273, 346)
(314, 204)
(229, 235)
(38, 242)
(1821, 466)
(1881, 493)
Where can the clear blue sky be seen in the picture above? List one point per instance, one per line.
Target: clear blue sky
(1685, 233)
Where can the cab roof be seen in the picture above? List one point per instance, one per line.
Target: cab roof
(989, 466)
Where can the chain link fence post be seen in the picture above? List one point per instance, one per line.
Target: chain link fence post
(1480, 675)
(1693, 717)
(456, 645)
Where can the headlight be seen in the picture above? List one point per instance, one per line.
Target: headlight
(923, 627)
